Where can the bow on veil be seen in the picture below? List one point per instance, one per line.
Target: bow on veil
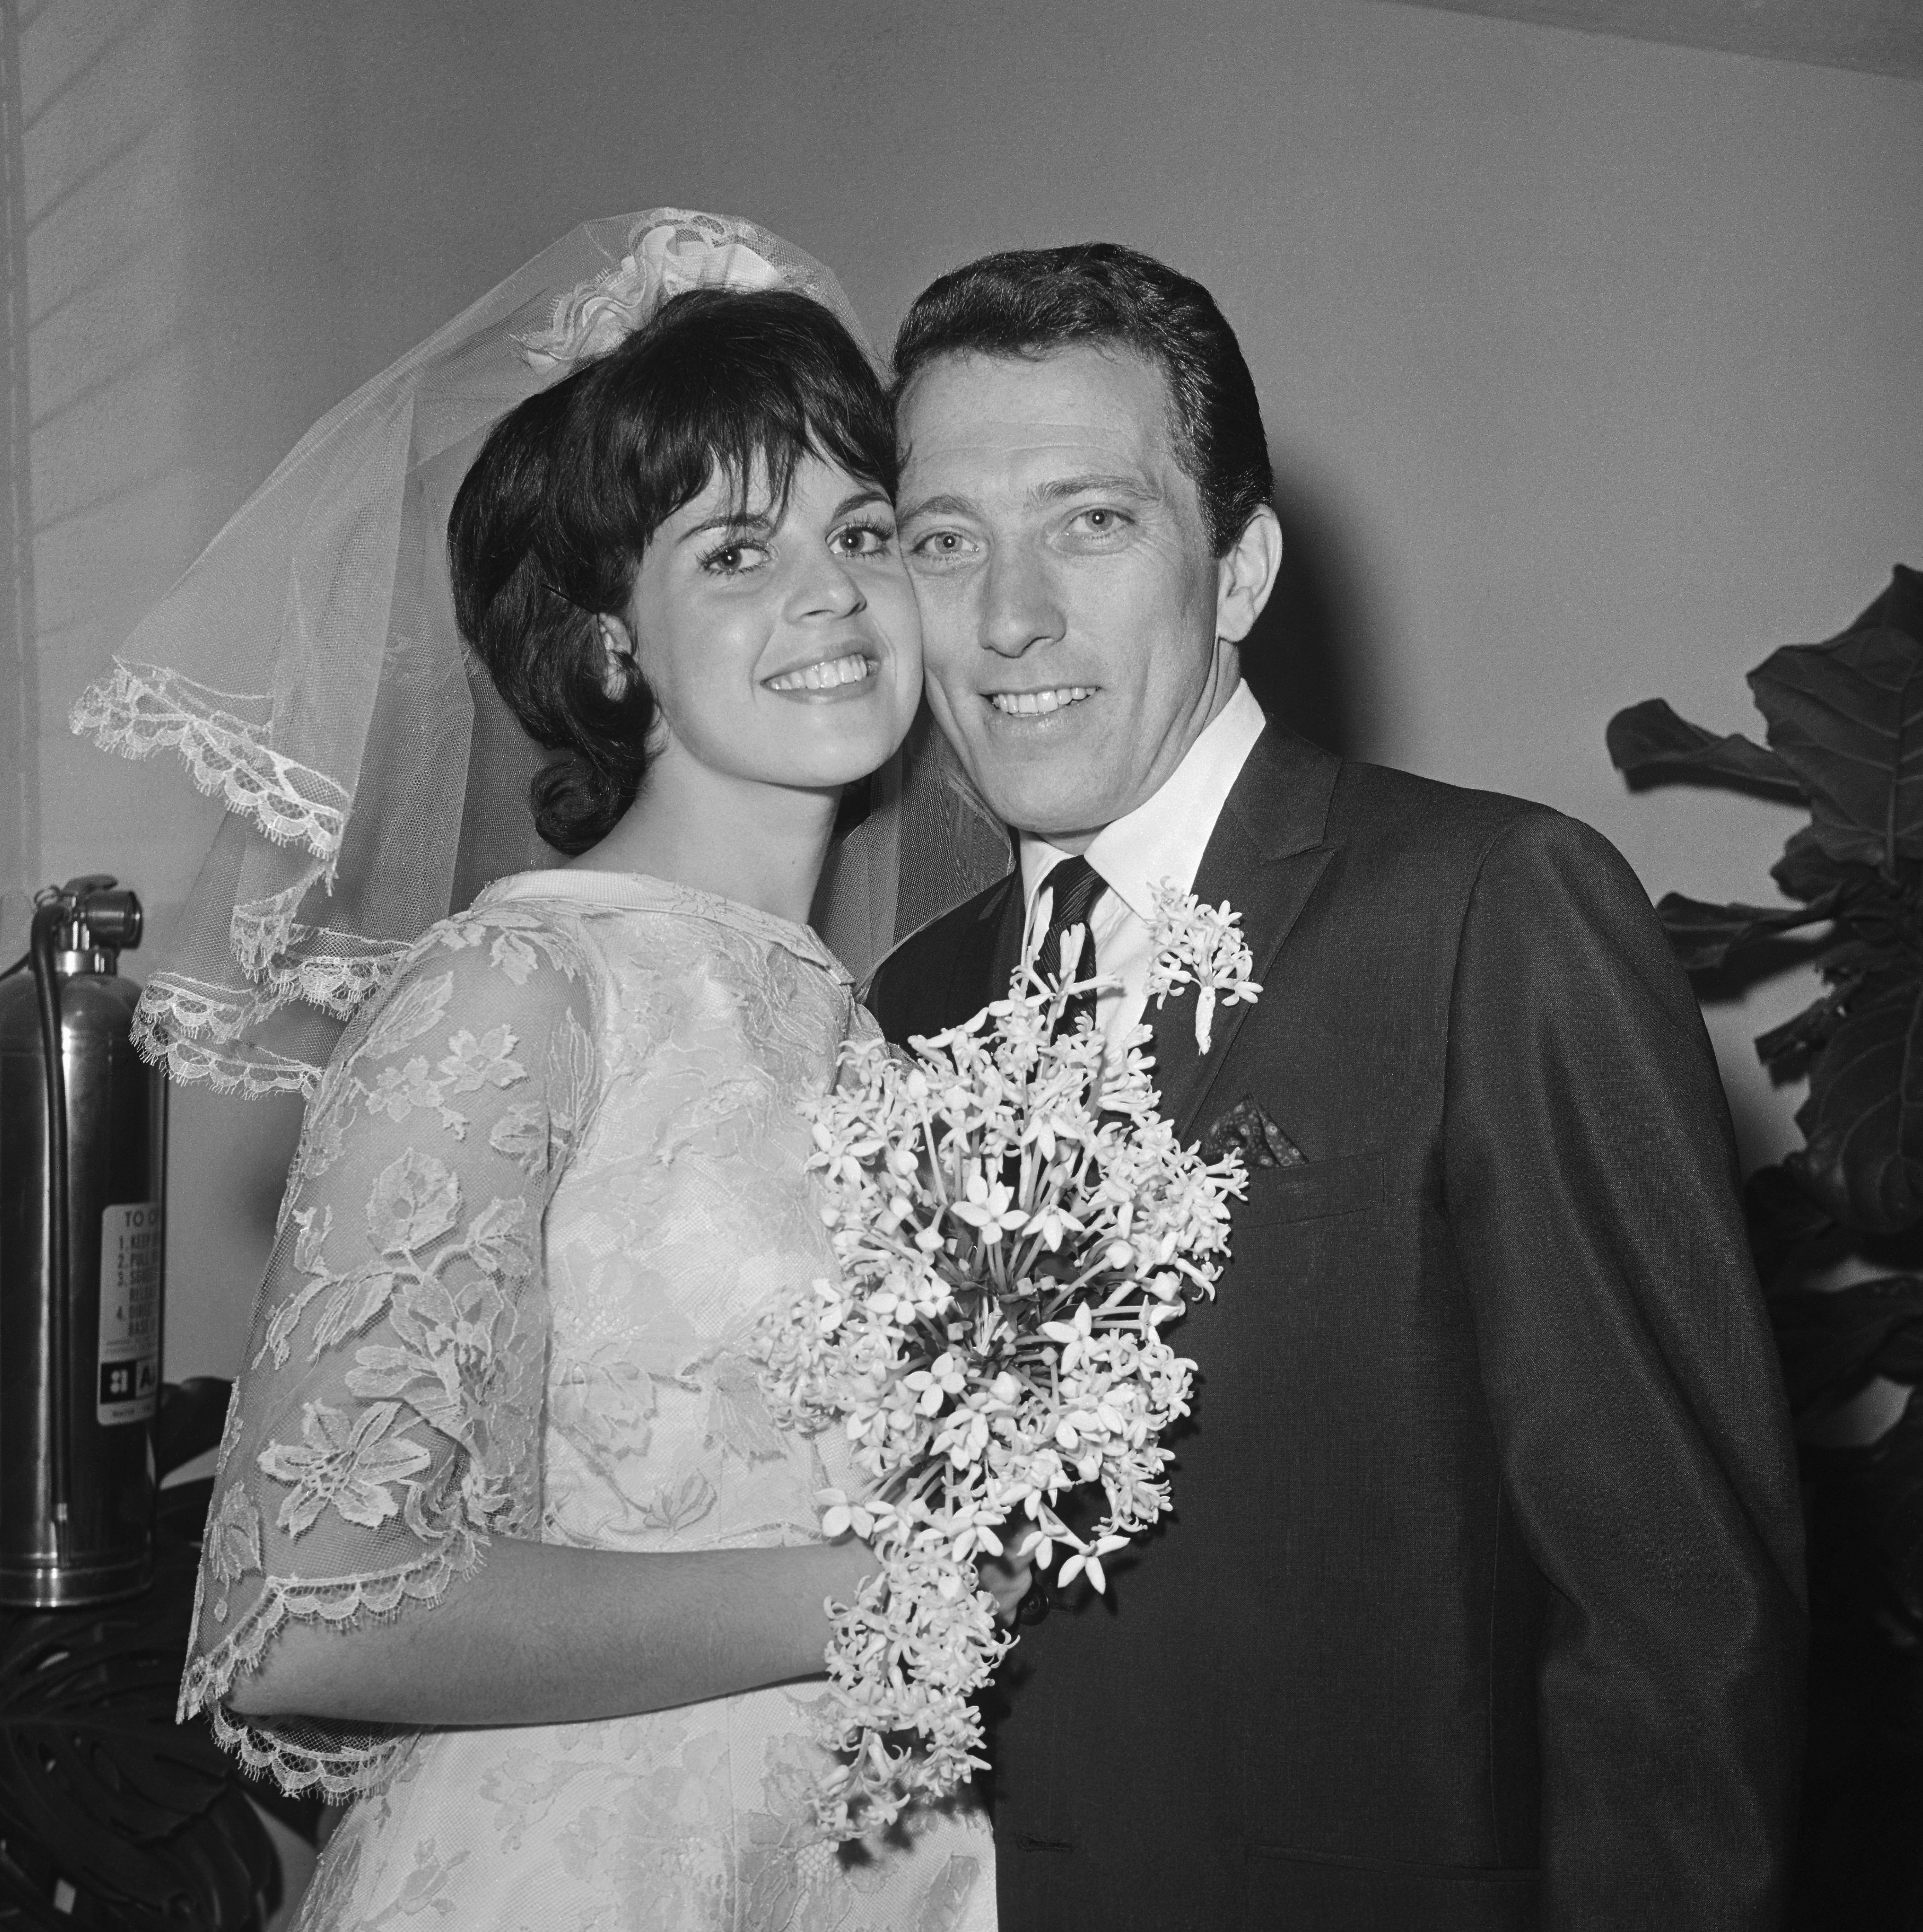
(308, 671)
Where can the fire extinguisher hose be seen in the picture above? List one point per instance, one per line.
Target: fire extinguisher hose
(49, 915)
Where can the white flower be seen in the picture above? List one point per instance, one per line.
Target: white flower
(840, 1514)
(991, 1207)
(1088, 1563)
(1199, 945)
(1075, 1336)
(1072, 943)
(1055, 1223)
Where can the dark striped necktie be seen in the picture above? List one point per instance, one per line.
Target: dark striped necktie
(1077, 886)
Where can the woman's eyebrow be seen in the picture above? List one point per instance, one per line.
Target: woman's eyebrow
(749, 523)
(859, 500)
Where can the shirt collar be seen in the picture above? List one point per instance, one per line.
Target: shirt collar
(1164, 838)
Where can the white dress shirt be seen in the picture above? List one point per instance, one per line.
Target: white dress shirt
(1162, 841)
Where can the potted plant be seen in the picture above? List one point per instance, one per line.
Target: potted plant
(1838, 1227)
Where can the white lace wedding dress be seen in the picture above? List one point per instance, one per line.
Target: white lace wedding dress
(553, 1179)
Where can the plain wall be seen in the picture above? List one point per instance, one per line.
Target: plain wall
(1593, 369)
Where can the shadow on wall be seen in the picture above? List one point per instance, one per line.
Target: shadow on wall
(1309, 658)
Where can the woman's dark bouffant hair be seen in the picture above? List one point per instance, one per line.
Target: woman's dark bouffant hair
(550, 524)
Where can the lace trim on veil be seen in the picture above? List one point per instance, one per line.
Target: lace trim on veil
(341, 1765)
(193, 1028)
(252, 1070)
(337, 982)
(142, 708)
(200, 1033)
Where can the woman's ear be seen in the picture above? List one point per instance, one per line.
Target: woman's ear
(618, 669)
(1246, 575)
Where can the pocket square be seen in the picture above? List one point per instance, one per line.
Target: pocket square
(1247, 1129)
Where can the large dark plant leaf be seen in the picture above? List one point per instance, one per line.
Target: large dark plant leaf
(1806, 871)
(1847, 717)
(1833, 1340)
(1704, 935)
(1898, 605)
(1882, 1488)
(1789, 1050)
(101, 1791)
(1894, 1483)
(1785, 1225)
(1863, 1122)
(1649, 740)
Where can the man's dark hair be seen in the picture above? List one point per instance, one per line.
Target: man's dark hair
(1031, 302)
(550, 524)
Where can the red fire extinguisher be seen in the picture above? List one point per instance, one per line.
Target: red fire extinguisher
(83, 1189)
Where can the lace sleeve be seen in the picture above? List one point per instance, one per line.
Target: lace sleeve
(387, 1420)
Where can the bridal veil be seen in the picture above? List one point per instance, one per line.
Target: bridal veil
(308, 672)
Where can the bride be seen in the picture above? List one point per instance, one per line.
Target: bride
(503, 1543)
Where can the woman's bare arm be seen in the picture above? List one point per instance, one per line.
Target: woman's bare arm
(545, 1633)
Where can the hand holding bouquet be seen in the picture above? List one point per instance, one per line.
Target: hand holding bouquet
(1016, 1225)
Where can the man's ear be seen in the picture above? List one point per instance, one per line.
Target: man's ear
(618, 669)
(1246, 575)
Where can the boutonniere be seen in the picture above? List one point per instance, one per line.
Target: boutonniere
(1200, 946)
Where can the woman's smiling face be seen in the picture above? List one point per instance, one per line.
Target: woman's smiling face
(781, 640)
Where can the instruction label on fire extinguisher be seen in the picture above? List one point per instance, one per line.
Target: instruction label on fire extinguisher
(130, 1383)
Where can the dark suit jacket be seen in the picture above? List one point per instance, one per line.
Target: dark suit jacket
(1481, 1603)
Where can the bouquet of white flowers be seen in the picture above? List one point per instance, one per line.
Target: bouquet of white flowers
(1016, 1225)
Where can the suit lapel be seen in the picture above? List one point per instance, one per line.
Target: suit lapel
(985, 949)
(1004, 947)
(1265, 857)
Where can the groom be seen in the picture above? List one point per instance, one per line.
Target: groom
(1481, 1607)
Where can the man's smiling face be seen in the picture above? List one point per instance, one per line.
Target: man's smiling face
(1068, 592)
